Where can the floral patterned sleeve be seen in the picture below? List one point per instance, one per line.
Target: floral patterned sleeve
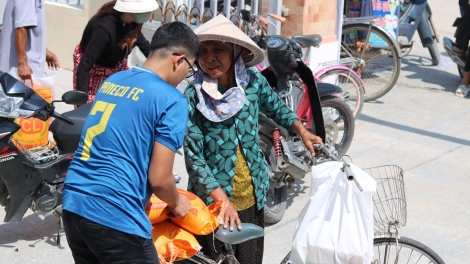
(201, 180)
(270, 103)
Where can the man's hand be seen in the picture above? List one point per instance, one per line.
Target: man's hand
(24, 71)
(162, 181)
(181, 207)
(308, 138)
(52, 60)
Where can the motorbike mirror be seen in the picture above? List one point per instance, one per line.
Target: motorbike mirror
(75, 98)
(245, 15)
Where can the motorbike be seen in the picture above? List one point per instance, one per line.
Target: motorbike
(316, 104)
(458, 59)
(34, 178)
(416, 15)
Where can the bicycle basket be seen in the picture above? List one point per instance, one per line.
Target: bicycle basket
(389, 200)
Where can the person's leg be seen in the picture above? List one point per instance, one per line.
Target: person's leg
(463, 33)
(463, 89)
(251, 252)
(80, 251)
(112, 246)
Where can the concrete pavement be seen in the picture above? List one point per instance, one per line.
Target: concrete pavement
(420, 126)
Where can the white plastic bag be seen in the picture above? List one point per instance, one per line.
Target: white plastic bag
(336, 225)
(46, 81)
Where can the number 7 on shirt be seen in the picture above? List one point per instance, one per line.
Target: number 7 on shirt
(92, 132)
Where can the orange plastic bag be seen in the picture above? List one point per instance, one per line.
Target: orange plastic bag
(157, 210)
(200, 220)
(173, 242)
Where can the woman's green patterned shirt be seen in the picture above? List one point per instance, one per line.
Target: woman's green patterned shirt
(210, 148)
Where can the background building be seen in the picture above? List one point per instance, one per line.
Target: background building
(66, 20)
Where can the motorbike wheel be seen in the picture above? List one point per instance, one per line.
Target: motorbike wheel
(276, 200)
(339, 124)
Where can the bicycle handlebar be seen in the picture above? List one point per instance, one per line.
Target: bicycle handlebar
(346, 168)
(263, 21)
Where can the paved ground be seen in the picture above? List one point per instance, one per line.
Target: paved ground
(420, 126)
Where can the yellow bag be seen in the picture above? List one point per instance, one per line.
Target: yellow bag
(173, 242)
(34, 132)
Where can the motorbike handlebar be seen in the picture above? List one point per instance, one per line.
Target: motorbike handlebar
(346, 168)
(62, 118)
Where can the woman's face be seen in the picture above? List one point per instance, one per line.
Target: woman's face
(216, 58)
(127, 17)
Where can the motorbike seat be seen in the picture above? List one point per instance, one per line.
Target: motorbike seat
(248, 232)
(308, 40)
(67, 136)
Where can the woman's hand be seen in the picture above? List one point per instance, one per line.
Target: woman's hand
(52, 60)
(231, 214)
(231, 217)
(308, 138)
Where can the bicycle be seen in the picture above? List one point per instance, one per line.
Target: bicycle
(372, 53)
(327, 72)
(389, 215)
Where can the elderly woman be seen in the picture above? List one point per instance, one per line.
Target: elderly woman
(223, 158)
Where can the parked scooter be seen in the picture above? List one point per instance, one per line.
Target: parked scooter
(318, 109)
(34, 178)
(416, 15)
(458, 59)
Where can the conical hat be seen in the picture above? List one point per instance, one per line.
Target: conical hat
(222, 29)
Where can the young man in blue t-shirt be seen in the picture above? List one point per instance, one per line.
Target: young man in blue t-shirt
(126, 153)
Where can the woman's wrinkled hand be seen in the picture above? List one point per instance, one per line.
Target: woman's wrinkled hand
(309, 139)
(52, 61)
(231, 217)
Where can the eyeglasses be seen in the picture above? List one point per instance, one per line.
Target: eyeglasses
(192, 70)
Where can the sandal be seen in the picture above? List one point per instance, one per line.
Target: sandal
(462, 91)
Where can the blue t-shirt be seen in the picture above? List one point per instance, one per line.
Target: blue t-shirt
(107, 181)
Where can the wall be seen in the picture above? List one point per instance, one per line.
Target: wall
(323, 17)
(64, 28)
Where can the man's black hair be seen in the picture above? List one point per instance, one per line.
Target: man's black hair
(173, 36)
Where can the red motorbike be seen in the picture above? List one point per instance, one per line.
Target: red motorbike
(318, 106)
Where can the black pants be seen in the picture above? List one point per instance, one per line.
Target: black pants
(250, 252)
(462, 36)
(93, 243)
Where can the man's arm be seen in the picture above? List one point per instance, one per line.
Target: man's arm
(162, 181)
(21, 40)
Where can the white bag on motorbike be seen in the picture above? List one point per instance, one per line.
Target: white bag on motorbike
(336, 225)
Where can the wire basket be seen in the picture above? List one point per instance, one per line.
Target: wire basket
(389, 200)
(40, 154)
